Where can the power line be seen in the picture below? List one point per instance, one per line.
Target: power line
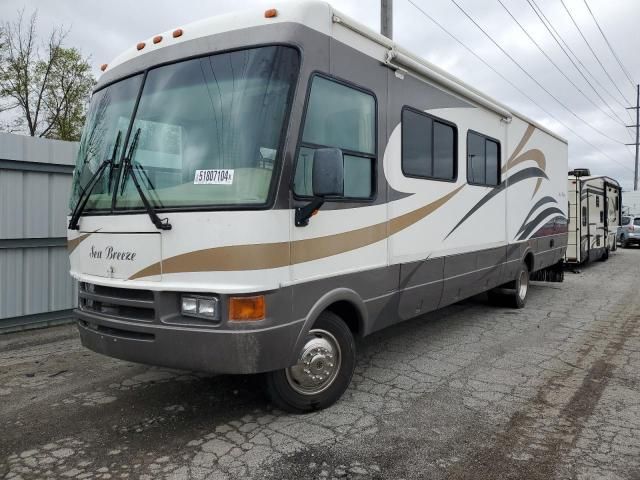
(592, 51)
(531, 76)
(617, 119)
(522, 92)
(622, 67)
(564, 46)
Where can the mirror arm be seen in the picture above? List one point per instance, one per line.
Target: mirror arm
(304, 213)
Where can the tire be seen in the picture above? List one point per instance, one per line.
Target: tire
(624, 243)
(605, 255)
(298, 391)
(517, 297)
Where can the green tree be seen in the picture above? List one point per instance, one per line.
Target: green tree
(43, 87)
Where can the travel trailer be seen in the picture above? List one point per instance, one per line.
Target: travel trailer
(595, 205)
(256, 190)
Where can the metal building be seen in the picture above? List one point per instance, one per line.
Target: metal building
(35, 178)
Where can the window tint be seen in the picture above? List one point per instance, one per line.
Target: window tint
(343, 117)
(428, 146)
(597, 201)
(483, 160)
(636, 222)
(625, 221)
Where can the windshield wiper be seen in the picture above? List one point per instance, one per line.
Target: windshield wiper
(160, 223)
(86, 193)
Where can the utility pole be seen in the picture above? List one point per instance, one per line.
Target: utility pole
(637, 127)
(386, 18)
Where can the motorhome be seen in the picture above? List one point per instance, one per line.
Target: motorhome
(256, 190)
(595, 205)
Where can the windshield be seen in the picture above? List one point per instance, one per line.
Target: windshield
(109, 113)
(209, 131)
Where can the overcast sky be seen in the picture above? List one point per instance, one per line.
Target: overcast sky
(102, 29)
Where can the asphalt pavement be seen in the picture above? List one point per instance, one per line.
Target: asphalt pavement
(472, 391)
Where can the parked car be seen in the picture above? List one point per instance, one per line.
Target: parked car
(629, 231)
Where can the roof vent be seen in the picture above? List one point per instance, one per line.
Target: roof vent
(580, 172)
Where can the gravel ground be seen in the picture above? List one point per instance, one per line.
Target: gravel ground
(471, 391)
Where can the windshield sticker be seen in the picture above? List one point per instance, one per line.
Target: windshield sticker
(213, 177)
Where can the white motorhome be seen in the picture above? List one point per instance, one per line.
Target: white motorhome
(255, 190)
(594, 216)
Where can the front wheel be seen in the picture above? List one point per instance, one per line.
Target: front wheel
(323, 370)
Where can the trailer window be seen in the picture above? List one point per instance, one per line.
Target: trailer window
(428, 146)
(625, 221)
(483, 160)
(584, 216)
(597, 201)
(339, 116)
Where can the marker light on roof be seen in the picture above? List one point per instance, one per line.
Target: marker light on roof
(177, 33)
(140, 46)
(157, 39)
(103, 67)
(271, 13)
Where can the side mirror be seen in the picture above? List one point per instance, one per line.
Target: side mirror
(328, 172)
(327, 181)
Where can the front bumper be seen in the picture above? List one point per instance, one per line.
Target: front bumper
(151, 331)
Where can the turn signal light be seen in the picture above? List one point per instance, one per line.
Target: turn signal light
(140, 46)
(157, 39)
(271, 13)
(103, 67)
(177, 33)
(247, 309)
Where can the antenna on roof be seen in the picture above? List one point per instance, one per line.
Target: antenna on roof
(386, 18)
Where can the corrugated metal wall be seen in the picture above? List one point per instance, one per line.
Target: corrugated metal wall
(35, 179)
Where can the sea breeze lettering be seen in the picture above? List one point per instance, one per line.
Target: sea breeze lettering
(110, 253)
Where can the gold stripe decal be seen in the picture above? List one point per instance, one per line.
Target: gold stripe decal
(274, 255)
(74, 242)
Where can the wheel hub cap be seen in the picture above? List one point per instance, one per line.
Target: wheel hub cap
(318, 364)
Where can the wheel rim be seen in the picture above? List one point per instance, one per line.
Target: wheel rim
(318, 364)
(524, 285)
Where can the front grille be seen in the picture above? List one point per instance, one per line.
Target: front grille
(124, 303)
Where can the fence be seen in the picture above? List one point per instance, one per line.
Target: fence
(35, 179)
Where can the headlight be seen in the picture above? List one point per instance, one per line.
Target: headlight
(197, 306)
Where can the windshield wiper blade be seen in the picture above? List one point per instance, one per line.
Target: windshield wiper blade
(86, 192)
(160, 223)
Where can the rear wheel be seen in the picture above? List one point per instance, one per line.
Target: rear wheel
(512, 294)
(605, 255)
(323, 370)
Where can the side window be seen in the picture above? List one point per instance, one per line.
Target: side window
(625, 221)
(601, 216)
(636, 222)
(343, 117)
(597, 201)
(428, 146)
(584, 216)
(483, 160)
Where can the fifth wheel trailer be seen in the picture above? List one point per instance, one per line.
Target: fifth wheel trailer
(255, 190)
(595, 205)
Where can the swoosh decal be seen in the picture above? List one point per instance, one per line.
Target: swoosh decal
(281, 254)
(541, 216)
(538, 204)
(74, 242)
(531, 172)
(523, 141)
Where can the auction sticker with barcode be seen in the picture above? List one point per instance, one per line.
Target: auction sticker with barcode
(213, 177)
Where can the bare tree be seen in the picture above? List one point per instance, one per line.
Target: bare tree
(45, 86)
